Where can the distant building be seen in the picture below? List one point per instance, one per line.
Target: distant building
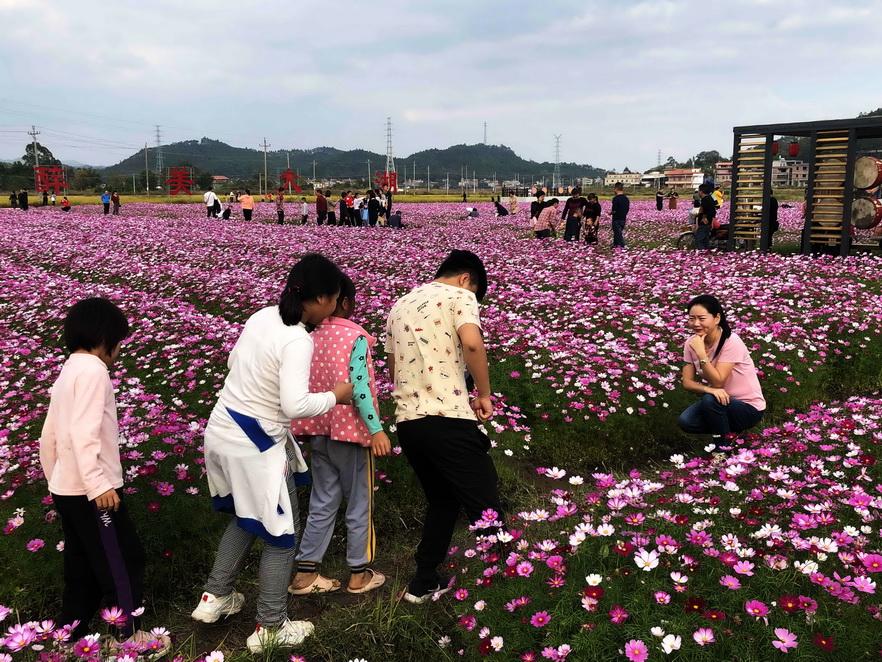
(626, 177)
(690, 178)
(653, 179)
(219, 179)
(723, 173)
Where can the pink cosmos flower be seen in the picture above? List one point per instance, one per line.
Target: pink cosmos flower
(872, 562)
(35, 545)
(114, 616)
(744, 568)
(540, 619)
(730, 582)
(756, 608)
(785, 641)
(87, 647)
(703, 636)
(165, 489)
(524, 569)
(618, 614)
(636, 651)
(461, 594)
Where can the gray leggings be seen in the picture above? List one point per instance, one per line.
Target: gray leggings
(276, 564)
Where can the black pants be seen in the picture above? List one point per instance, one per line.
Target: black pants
(572, 229)
(320, 217)
(103, 562)
(449, 457)
(106, 208)
(332, 218)
(542, 234)
(281, 215)
(658, 203)
(209, 211)
(246, 214)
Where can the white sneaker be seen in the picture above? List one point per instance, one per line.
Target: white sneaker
(212, 608)
(288, 634)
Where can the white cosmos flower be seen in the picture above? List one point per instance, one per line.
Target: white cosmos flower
(671, 643)
(646, 560)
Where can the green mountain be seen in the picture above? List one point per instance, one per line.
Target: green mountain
(218, 158)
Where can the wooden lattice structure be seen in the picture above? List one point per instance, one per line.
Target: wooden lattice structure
(833, 146)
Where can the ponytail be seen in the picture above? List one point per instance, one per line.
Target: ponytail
(313, 276)
(725, 332)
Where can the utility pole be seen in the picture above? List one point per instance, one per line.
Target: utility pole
(474, 181)
(288, 161)
(265, 180)
(428, 180)
(369, 173)
(485, 132)
(159, 164)
(146, 168)
(390, 159)
(555, 178)
(313, 173)
(133, 184)
(33, 133)
(447, 185)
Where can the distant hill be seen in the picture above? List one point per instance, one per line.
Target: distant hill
(218, 158)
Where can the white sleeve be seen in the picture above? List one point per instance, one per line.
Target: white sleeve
(296, 400)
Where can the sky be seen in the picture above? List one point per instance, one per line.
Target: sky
(619, 81)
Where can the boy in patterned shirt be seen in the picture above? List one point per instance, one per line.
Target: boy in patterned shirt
(433, 335)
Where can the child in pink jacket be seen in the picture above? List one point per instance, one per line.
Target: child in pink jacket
(342, 445)
(79, 453)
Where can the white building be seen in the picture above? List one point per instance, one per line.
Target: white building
(627, 178)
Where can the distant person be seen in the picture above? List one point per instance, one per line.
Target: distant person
(591, 225)
(232, 197)
(114, 200)
(620, 207)
(247, 203)
(718, 196)
(321, 207)
(774, 225)
(351, 210)
(537, 206)
(373, 208)
(673, 198)
(572, 215)
(52, 199)
(659, 199)
(707, 212)
(332, 217)
(212, 203)
(344, 210)
(228, 211)
(65, 204)
(387, 191)
(395, 219)
(545, 225)
(513, 203)
(13, 200)
(363, 212)
(500, 210)
(464, 197)
(280, 206)
(105, 200)
(304, 211)
(45, 198)
(717, 366)
(472, 212)
(23, 200)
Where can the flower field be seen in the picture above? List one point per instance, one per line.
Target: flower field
(627, 540)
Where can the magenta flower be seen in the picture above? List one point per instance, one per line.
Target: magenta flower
(744, 568)
(756, 608)
(872, 562)
(114, 616)
(703, 636)
(730, 582)
(636, 651)
(88, 647)
(165, 489)
(618, 614)
(524, 569)
(785, 641)
(540, 619)
(35, 545)
(461, 594)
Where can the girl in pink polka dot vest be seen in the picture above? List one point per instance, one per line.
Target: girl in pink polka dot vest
(343, 443)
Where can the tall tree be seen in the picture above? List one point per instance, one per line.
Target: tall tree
(46, 157)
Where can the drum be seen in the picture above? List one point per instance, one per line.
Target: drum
(866, 212)
(867, 172)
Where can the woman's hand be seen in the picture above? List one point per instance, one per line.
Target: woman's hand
(696, 342)
(343, 393)
(107, 501)
(721, 396)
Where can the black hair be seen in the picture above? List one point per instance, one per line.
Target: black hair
(706, 189)
(712, 305)
(347, 289)
(618, 186)
(592, 196)
(247, 192)
(94, 323)
(552, 202)
(313, 276)
(465, 262)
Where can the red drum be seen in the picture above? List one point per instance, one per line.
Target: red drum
(866, 212)
(867, 172)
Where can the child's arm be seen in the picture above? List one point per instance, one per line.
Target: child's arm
(295, 399)
(48, 451)
(87, 417)
(362, 397)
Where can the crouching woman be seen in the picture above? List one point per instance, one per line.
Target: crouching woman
(718, 367)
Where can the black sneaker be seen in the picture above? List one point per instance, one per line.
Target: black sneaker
(417, 593)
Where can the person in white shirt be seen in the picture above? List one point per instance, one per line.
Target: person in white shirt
(251, 457)
(212, 203)
(304, 211)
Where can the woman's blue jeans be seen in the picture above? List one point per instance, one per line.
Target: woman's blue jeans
(708, 416)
